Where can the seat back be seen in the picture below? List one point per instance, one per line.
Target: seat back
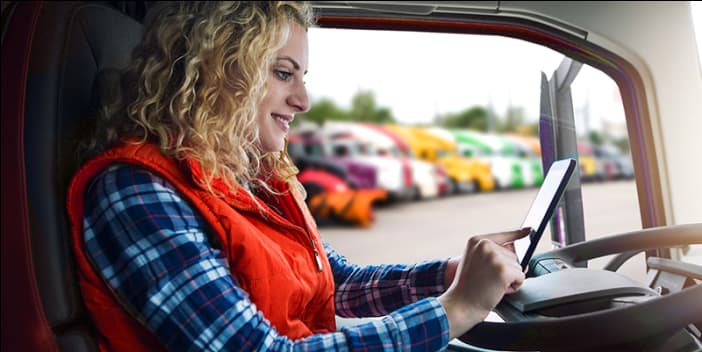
(73, 43)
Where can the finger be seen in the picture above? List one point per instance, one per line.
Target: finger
(507, 236)
(517, 279)
(507, 259)
(513, 265)
(514, 287)
(504, 256)
(507, 256)
(507, 251)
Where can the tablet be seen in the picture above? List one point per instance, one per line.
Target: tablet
(543, 207)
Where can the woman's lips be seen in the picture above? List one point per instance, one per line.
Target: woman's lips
(283, 121)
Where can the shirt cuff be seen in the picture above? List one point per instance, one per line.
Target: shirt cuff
(423, 325)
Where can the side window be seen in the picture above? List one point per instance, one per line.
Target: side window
(610, 203)
(484, 93)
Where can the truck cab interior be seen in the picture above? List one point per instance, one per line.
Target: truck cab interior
(60, 58)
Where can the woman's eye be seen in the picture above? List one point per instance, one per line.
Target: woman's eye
(283, 75)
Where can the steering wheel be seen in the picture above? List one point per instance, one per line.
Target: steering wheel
(571, 308)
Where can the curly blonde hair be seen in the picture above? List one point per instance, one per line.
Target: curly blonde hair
(195, 83)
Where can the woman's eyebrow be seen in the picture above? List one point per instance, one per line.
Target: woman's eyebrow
(292, 61)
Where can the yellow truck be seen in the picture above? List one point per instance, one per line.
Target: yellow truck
(466, 175)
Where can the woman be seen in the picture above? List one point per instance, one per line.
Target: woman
(191, 232)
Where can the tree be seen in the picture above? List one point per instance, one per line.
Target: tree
(364, 108)
(474, 118)
(322, 110)
(595, 138)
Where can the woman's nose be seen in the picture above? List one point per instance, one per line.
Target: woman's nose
(299, 98)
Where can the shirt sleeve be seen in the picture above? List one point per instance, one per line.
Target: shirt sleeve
(376, 290)
(152, 249)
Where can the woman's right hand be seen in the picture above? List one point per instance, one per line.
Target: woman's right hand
(486, 272)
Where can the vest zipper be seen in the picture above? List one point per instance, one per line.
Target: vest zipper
(317, 259)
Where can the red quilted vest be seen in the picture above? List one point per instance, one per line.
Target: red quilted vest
(271, 256)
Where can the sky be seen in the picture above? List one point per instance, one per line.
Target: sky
(471, 70)
(417, 84)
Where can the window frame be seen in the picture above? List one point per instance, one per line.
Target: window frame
(561, 38)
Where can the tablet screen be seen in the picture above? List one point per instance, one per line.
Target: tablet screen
(543, 207)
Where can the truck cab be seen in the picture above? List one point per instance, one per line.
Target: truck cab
(507, 171)
(344, 142)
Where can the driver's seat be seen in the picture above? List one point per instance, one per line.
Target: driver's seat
(71, 44)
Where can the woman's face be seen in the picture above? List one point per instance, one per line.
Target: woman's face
(286, 91)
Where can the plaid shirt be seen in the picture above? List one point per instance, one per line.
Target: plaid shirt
(151, 247)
